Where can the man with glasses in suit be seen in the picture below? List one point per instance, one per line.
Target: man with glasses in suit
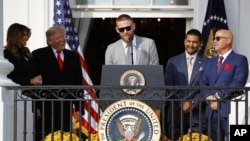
(227, 69)
(130, 49)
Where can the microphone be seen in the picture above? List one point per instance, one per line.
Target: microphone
(131, 45)
(130, 38)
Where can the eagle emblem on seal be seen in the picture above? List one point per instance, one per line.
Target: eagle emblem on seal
(129, 128)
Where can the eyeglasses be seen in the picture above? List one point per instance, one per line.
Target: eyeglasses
(128, 28)
(219, 37)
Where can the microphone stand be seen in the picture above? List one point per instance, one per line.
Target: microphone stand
(132, 53)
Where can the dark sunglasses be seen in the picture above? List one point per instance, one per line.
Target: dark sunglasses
(219, 37)
(128, 28)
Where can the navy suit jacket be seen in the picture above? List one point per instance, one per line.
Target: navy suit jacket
(234, 72)
(176, 72)
(176, 75)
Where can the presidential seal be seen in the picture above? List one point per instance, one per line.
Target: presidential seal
(129, 120)
(132, 78)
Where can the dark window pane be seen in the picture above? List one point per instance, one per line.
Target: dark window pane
(168, 35)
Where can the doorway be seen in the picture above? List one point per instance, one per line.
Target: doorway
(168, 34)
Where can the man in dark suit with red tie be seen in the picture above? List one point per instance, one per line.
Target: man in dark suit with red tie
(65, 72)
(227, 69)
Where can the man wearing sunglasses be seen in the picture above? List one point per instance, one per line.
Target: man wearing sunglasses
(130, 49)
(228, 68)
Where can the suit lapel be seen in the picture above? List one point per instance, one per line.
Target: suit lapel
(51, 55)
(183, 62)
(228, 59)
(138, 50)
(120, 51)
(66, 60)
(196, 68)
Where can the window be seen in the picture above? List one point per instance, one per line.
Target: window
(132, 2)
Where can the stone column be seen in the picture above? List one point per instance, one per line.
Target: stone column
(5, 68)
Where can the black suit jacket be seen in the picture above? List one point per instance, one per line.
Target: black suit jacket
(23, 70)
(45, 63)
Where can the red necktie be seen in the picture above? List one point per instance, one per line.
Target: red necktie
(59, 60)
(219, 64)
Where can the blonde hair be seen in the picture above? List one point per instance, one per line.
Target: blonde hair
(53, 30)
(123, 17)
